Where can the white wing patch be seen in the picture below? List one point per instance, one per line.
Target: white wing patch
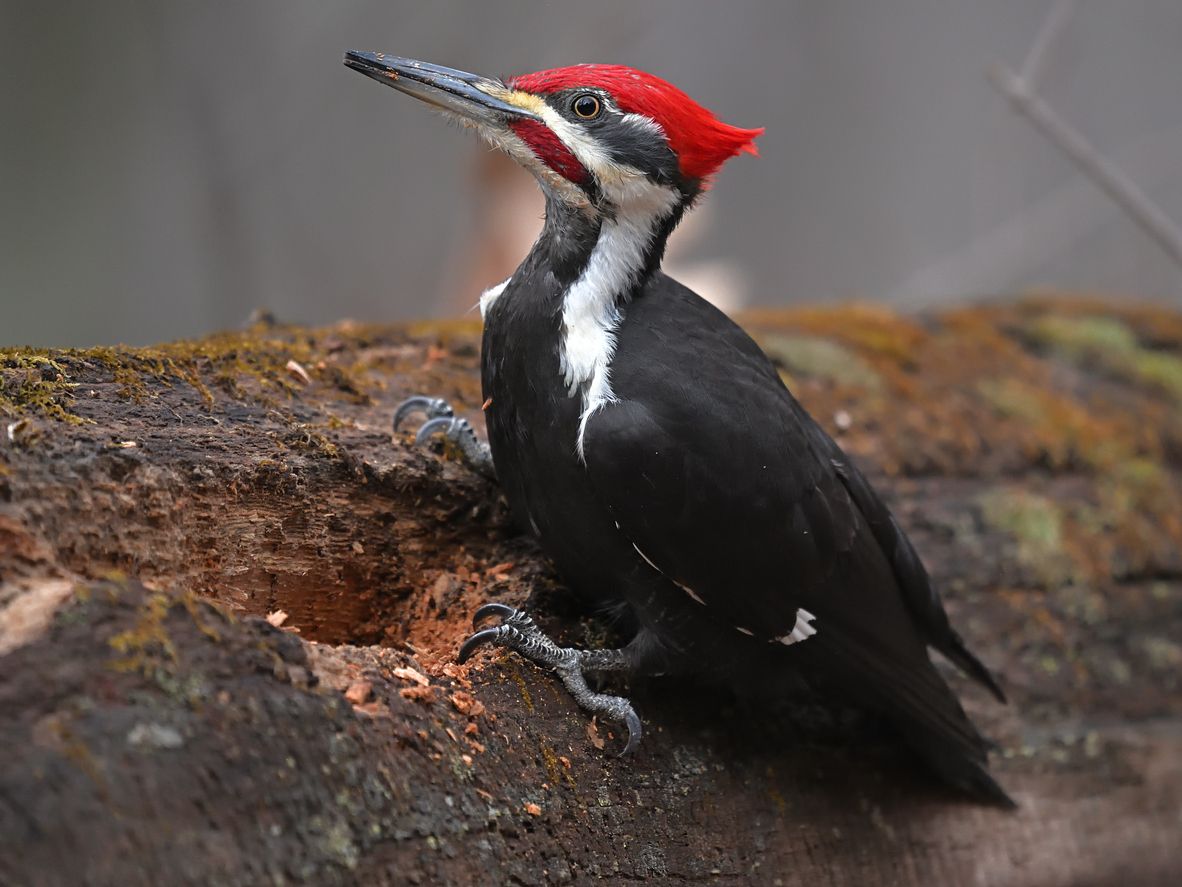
(490, 295)
(801, 631)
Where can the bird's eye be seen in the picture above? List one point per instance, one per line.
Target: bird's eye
(586, 106)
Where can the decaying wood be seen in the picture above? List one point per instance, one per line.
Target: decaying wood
(154, 502)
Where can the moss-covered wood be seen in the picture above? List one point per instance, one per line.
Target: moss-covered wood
(153, 502)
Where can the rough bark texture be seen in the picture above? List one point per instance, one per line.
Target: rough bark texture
(155, 502)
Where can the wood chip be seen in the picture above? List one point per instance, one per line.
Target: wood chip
(409, 674)
(499, 571)
(298, 372)
(418, 694)
(359, 692)
(277, 618)
(484, 406)
(467, 704)
(533, 809)
(593, 735)
(457, 673)
(565, 761)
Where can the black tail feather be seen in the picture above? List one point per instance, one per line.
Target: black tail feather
(969, 776)
(909, 690)
(962, 657)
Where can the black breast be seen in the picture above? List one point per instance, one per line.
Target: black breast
(532, 426)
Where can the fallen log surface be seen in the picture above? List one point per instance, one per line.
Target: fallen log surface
(230, 602)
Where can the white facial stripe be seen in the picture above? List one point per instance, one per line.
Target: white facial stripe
(581, 144)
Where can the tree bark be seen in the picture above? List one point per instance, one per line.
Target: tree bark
(155, 503)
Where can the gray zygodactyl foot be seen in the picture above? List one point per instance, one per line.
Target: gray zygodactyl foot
(517, 632)
(442, 419)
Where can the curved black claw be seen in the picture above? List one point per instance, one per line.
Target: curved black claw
(446, 424)
(434, 407)
(479, 639)
(632, 722)
(494, 609)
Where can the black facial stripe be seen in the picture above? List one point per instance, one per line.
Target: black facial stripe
(641, 146)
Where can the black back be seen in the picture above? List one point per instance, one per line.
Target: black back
(706, 474)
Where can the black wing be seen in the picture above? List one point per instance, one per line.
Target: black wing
(725, 484)
(719, 476)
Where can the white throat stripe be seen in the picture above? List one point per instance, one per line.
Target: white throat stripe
(590, 311)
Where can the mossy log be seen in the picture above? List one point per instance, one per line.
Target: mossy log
(156, 503)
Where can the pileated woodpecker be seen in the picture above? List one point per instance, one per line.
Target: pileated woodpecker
(652, 446)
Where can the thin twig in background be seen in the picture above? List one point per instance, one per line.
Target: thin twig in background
(1019, 90)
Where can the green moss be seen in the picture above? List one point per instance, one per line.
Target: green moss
(146, 645)
(446, 331)
(1113, 346)
(132, 369)
(550, 761)
(1160, 370)
(1034, 520)
(315, 442)
(1014, 398)
(516, 676)
(33, 383)
(1036, 525)
(1141, 474)
(1136, 488)
(1083, 336)
(1163, 654)
(812, 356)
(1057, 426)
(249, 366)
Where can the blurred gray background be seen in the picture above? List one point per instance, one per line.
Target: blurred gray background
(167, 167)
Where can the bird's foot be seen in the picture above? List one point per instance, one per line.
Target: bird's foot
(442, 419)
(517, 632)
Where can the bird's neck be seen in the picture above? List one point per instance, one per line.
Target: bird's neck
(600, 261)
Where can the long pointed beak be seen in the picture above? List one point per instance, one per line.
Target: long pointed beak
(474, 98)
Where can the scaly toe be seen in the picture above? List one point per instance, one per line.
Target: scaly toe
(434, 407)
